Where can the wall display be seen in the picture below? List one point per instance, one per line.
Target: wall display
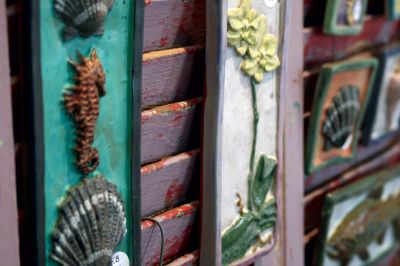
(83, 17)
(248, 152)
(361, 222)
(75, 127)
(383, 113)
(343, 91)
(393, 9)
(344, 17)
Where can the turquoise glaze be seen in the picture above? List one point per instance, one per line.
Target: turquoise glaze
(114, 126)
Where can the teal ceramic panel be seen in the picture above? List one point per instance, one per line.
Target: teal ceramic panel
(113, 131)
(393, 9)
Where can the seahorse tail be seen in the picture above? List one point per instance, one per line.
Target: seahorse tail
(88, 160)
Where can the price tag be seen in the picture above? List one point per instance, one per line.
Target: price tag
(270, 3)
(120, 259)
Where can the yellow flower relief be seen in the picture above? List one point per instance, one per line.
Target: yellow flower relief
(247, 35)
(264, 60)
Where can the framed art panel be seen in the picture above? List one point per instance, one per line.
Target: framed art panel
(245, 110)
(361, 222)
(86, 104)
(344, 17)
(343, 91)
(383, 113)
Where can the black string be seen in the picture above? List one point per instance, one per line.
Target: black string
(162, 237)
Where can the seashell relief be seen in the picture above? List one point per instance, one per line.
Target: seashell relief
(82, 102)
(341, 115)
(91, 224)
(83, 17)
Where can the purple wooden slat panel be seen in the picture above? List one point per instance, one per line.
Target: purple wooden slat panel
(170, 129)
(9, 250)
(170, 182)
(179, 75)
(179, 233)
(173, 23)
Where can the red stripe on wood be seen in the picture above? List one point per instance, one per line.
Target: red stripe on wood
(319, 47)
(190, 259)
(170, 129)
(173, 23)
(169, 182)
(179, 234)
(179, 75)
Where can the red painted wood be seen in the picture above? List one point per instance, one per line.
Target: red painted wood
(173, 23)
(190, 259)
(319, 48)
(170, 129)
(9, 246)
(170, 182)
(178, 75)
(179, 234)
(314, 201)
(363, 155)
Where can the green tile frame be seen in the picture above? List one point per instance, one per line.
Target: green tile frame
(370, 115)
(330, 20)
(346, 193)
(118, 127)
(391, 10)
(324, 82)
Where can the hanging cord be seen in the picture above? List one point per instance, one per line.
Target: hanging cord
(162, 237)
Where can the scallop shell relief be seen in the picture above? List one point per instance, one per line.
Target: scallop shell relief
(340, 118)
(83, 17)
(90, 225)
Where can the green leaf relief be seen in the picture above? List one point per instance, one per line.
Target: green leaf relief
(267, 216)
(262, 181)
(239, 238)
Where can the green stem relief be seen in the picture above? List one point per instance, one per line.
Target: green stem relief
(255, 132)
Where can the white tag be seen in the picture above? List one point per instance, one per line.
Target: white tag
(270, 3)
(120, 259)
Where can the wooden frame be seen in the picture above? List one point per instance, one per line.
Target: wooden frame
(288, 247)
(359, 189)
(47, 47)
(324, 84)
(377, 107)
(332, 13)
(9, 243)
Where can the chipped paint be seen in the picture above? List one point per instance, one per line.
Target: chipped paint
(183, 210)
(169, 109)
(156, 55)
(168, 161)
(174, 192)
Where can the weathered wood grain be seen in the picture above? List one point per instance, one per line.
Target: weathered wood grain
(320, 48)
(173, 23)
(363, 154)
(170, 129)
(190, 259)
(178, 75)
(170, 182)
(314, 201)
(9, 246)
(179, 234)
